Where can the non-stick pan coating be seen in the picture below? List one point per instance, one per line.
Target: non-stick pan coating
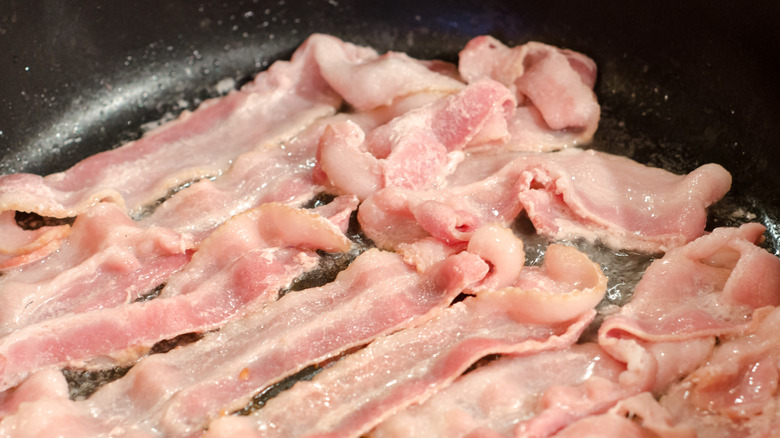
(681, 83)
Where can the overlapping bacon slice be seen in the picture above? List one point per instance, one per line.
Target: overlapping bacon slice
(566, 195)
(241, 266)
(444, 159)
(361, 390)
(554, 89)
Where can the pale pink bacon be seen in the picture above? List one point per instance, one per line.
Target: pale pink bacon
(666, 333)
(709, 287)
(418, 149)
(285, 171)
(567, 194)
(495, 397)
(278, 103)
(47, 383)
(242, 267)
(105, 261)
(366, 387)
(554, 88)
(639, 416)
(178, 392)
(735, 394)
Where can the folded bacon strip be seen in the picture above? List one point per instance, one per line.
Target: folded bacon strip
(241, 266)
(735, 394)
(554, 89)
(567, 194)
(418, 149)
(366, 387)
(638, 416)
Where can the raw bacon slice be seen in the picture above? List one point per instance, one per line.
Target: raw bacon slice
(372, 82)
(735, 394)
(275, 173)
(47, 383)
(285, 172)
(497, 396)
(567, 194)
(20, 247)
(364, 388)
(554, 88)
(639, 416)
(241, 267)
(709, 287)
(277, 104)
(106, 260)
(376, 294)
(418, 149)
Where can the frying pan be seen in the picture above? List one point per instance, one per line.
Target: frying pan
(681, 83)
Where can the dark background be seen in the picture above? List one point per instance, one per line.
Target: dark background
(681, 83)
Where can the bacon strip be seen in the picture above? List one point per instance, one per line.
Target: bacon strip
(241, 267)
(285, 171)
(377, 294)
(709, 287)
(106, 260)
(566, 195)
(736, 392)
(415, 150)
(364, 388)
(278, 103)
(496, 396)
(554, 88)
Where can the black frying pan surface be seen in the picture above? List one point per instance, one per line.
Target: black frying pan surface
(681, 83)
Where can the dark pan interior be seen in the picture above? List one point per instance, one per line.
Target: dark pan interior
(681, 83)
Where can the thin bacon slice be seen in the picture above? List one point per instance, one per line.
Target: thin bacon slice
(47, 383)
(554, 88)
(709, 287)
(364, 388)
(278, 103)
(106, 260)
(285, 172)
(240, 268)
(378, 293)
(567, 194)
(495, 397)
(735, 394)
(416, 150)
(639, 416)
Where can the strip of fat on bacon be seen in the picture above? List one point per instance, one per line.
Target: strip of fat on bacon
(554, 89)
(105, 261)
(240, 267)
(495, 397)
(177, 393)
(568, 194)
(418, 149)
(363, 389)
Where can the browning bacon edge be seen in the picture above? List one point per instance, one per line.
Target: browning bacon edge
(363, 244)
